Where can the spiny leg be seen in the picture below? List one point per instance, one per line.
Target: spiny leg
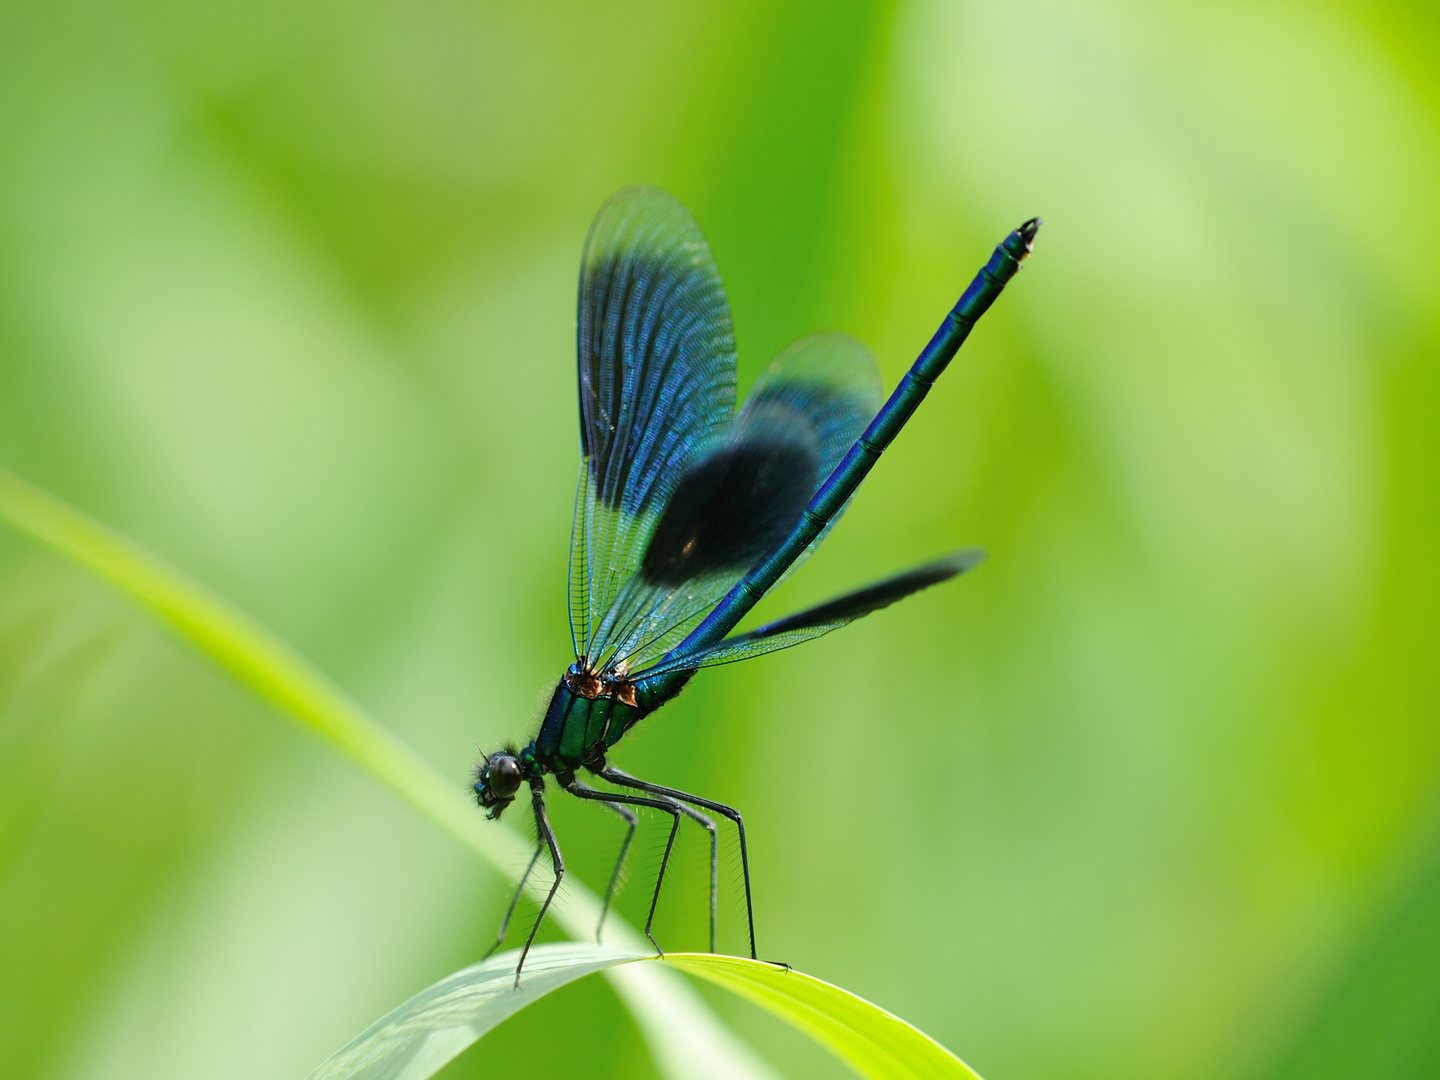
(585, 791)
(630, 820)
(624, 779)
(547, 834)
(509, 911)
(709, 824)
(628, 816)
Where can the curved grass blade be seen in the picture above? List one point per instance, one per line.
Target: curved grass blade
(684, 1036)
(438, 1024)
(870, 1040)
(417, 1039)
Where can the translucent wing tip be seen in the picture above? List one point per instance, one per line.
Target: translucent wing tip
(830, 357)
(642, 191)
(643, 195)
(635, 214)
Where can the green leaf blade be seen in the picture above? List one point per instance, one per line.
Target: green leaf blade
(417, 1039)
(422, 1036)
(873, 1042)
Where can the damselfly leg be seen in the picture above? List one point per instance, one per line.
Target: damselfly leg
(547, 834)
(628, 816)
(623, 779)
(690, 812)
(585, 791)
(708, 824)
(515, 899)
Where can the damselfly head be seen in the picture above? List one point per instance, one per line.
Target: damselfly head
(498, 777)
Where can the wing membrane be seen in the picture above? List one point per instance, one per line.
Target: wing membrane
(679, 496)
(817, 621)
(735, 501)
(830, 378)
(656, 358)
(835, 381)
(741, 496)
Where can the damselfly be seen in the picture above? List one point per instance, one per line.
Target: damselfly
(688, 511)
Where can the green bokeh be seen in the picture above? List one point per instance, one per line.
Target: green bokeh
(286, 293)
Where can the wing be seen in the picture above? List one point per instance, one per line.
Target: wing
(738, 498)
(835, 381)
(741, 496)
(656, 352)
(821, 620)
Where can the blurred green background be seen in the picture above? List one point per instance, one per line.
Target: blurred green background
(287, 294)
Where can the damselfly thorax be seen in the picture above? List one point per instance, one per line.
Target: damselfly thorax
(592, 684)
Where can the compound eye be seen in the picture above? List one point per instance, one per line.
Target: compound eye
(503, 777)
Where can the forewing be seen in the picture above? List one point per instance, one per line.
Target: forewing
(656, 352)
(816, 621)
